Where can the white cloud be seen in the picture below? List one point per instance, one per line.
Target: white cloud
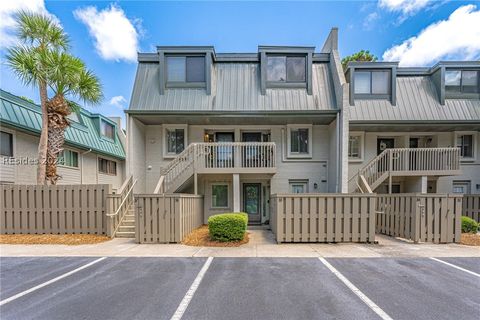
(115, 36)
(458, 38)
(369, 21)
(406, 7)
(9, 8)
(118, 101)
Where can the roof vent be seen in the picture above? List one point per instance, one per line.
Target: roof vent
(214, 100)
(316, 101)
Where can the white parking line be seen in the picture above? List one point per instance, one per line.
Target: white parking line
(189, 295)
(21, 294)
(456, 267)
(357, 291)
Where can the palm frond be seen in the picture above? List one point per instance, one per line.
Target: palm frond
(40, 30)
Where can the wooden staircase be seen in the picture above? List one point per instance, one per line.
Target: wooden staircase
(126, 229)
(405, 162)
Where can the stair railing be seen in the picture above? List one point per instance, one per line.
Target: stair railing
(118, 205)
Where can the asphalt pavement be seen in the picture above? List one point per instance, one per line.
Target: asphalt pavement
(238, 288)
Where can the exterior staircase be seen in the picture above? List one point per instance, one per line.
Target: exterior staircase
(126, 229)
(405, 162)
(217, 157)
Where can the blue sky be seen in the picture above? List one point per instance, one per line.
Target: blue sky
(414, 32)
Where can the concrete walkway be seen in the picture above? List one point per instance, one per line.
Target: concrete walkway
(262, 244)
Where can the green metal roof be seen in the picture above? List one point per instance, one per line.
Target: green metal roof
(24, 115)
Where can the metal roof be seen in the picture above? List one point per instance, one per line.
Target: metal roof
(235, 87)
(24, 115)
(417, 100)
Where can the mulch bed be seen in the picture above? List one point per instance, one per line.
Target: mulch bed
(470, 239)
(200, 238)
(65, 239)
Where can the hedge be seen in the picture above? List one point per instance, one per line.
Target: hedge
(228, 226)
(469, 225)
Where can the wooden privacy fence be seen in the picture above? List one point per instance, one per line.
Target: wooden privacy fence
(471, 206)
(166, 218)
(420, 217)
(62, 209)
(323, 217)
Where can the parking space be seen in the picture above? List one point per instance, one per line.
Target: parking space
(115, 288)
(414, 288)
(19, 274)
(240, 288)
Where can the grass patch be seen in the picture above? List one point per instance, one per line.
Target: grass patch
(65, 239)
(200, 237)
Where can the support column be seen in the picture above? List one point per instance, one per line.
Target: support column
(236, 192)
(424, 188)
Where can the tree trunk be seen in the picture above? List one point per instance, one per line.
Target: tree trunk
(43, 144)
(58, 110)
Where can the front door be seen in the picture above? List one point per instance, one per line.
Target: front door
(384, 143)
(252, 201)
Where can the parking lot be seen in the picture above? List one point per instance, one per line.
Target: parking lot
(239, 288)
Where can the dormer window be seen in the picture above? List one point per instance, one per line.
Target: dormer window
(374, 82)
(185, 69)
(461, 81)
(286, 69)
(107, 130)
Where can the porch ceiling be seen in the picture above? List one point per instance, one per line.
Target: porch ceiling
(205, 118)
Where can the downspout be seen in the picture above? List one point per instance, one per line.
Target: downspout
(81, 172)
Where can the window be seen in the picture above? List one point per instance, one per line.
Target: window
(107, 166)
(107, 130)
(175, 140)
(465, 143)
(462, 187)
(219, 196)
(299, 141)
(355, 147)
(372, 82)
(286, 69)
(298, 186)
(185, 69)
(457, 81)
(68, 158)
(6, 144)
(74, 117)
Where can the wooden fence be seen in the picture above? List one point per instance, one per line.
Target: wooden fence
(166, 218)
(61, 209)
(420, 217)
(471, 206)
(323, 217)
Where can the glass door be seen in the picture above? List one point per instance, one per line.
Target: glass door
(224, 153)
(252, 201)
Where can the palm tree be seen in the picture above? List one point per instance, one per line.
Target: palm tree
(41, 60)
(69, 79)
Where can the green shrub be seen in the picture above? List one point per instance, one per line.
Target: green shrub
(228, 226)
(469, 225)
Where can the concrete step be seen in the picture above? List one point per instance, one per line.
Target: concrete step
(125, 234)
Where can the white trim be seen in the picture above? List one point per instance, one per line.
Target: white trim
(182, 307)
(165, 127)
(361, 147)
(375, 308)
(309, 127)
(474, 144)
(23, 293)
